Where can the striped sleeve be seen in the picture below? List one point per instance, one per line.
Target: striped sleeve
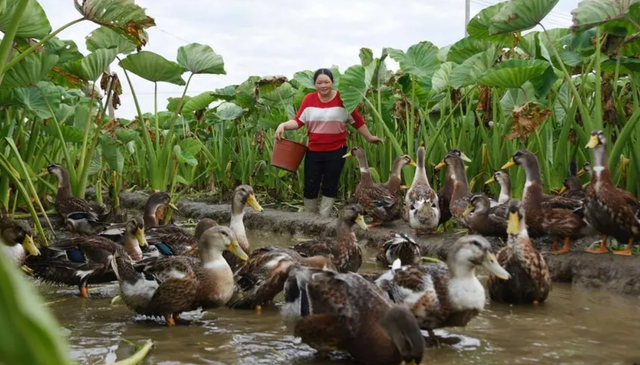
(300, 117)
(356, 119)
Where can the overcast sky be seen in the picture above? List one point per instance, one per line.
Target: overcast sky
(281, 37)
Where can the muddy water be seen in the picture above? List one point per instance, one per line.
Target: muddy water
(573, 327)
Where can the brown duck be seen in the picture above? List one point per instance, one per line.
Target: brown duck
(375, 199)
(484, 219)
(262, 277)
(178, 283)
(441, 295)
(343, 250)
(553, 215)
(331, 311)
(612, 211)
(530, 282)
(454, 161)
(444, 195)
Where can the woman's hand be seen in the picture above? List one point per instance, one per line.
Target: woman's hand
(279, 131)
(374, 139)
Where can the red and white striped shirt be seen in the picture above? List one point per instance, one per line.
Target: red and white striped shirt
(326, 122)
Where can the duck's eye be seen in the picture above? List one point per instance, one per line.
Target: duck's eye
(433, 205)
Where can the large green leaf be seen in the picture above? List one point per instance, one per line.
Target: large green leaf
(36, 98)
(66, 50)
(123, 16)
(627, 65)
(519, 15)
(354, 85)
(513, 73)
(35, 336)
(478, 26)
(91, 67)
(198, 102)
(280, 96)
(105, 37)
(472, 69)
(228, 111)
(30, 70)
(421, 59)
(440, 80)
(126, 135)
(112, 153)
(463, 49)
(186, 150)
(153, 67)
(200, 59)
(34, 22)
(304, 79)
(591, 13)
(516, 97)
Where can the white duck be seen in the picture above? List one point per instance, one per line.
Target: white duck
(421, 202)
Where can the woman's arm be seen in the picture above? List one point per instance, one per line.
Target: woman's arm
(286, 126)
(364, 131)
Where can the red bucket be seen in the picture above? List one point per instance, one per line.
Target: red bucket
(287, 154)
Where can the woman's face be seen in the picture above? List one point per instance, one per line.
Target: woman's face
(324, 85)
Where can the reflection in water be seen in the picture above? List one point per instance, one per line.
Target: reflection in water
(572, 327)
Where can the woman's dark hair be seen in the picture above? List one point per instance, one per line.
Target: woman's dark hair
(322, 71)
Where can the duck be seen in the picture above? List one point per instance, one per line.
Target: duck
(375, 199)
(444, 295)
(612, 211)
(455, 170)
(263, 275)
(343, 250)
(444, 195)
(530, 282)
(81, 261)
(554, 215)
(571, 185)
(394, 184)
(169, 240)
(16, 239)
(503, 179)
(169, 286)
(484, 219)
(67, 204)
(398, 246)
(343, 311)
(243, 195)
(421, 202)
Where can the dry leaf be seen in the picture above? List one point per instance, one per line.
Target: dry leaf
(526, 119)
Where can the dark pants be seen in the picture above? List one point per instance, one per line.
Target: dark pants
(323, 168)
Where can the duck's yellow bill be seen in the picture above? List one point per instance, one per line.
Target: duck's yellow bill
(360, 222)
(493, 179)
(235, 249)
(440, 165)
(593, 142)
(173, 206)
(468, 210)
(464, 157)
(347, 155)
(142, 239)
(491, 263)
(253, 203)
(581, 172)
(413, 163)
(562, 190)
(509, 164)
(30, 246)
(514, 223)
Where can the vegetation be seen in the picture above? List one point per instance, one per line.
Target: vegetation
(489, 94)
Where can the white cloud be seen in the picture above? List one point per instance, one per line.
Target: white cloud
(281, 37)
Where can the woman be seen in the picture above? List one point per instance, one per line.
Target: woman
(326, 119)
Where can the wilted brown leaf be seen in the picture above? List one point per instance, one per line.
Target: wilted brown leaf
(484, 103)
(526, 119)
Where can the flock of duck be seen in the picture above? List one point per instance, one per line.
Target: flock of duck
(377, 318)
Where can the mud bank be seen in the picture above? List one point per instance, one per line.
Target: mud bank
(609, 272)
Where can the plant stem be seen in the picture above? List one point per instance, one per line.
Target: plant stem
(138, 356)
(7, 40)
(584, 113)
(30, 50)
